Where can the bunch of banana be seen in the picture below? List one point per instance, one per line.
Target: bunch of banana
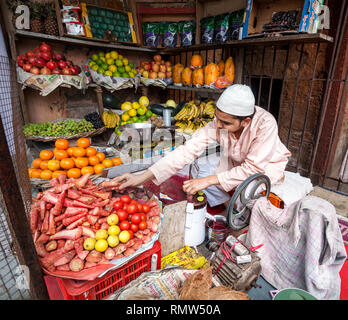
(110, 119)
(189, 127)
(196, 109)
(209, 110)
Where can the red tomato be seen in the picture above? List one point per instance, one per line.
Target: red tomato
(118, 205)
(143, 216)
(146, 208)
(131, 233)
(134, 202)
(124, 225)
(132, 208)
(126, 199)
(142, 225)
(136, 218)
(134, 227)
(140, 208)
(122, 214)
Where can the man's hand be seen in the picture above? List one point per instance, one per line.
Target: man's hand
(195, 185)
(133, 180)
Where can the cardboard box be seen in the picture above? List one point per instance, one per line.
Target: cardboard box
(259, 12)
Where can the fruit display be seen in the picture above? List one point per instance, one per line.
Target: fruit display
(43, 61)
(111, 119)
(112, 64)
(72, 161)
(57, 129)
(212, 75)
(156, 69)
(195, 115)
(78, 224)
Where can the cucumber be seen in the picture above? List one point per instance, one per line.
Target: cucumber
(158, 109)
(110, 101)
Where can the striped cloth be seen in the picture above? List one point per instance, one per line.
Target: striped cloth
(302, 245)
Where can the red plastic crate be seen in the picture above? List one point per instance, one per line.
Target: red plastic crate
(101, 288)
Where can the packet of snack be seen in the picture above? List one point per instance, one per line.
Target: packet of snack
(151, 33)
(187, 32)
(207, 29)
(221, 27)
(169, 34)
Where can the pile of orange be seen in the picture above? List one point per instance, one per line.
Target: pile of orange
(71, 161)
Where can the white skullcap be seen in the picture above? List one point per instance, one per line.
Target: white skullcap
(237, 100)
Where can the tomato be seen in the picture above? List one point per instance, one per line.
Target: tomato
(131, 233)
(143, 216)
(142, 225)
(134, 227)
(126, 199)
(134, 202)
(146, 208)
(122, 214)
(140, 208)
(136, 218)
(125, 206)
(132, 208)
(124, 225)
(118, 205)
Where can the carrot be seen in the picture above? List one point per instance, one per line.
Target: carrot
(52, 245)
(44, 227)
(103, 195)
(60, 243)
(51, 225)
(90, 265)
(76, 223)
(40, 249)
(64, 267)
(78, 245)
(65, 258)
(54, 182)
(83, 254)
(59, 205)
(110, 184)
(102, 220)
(73, 194)
(92, 219)
(109, 253)
(50, 197)
(94, 256)
(34, 217)
(129, 252)
(42, 209)
(120, 248)
(69, 220)
(62, 178)
(67, 234)
(81, 182)
(105, 226)
(88, 232)
(87, 200)
(69, 212)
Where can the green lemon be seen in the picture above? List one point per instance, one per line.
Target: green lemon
(125, 61)
(132, 112)
(108, 55)
(99, 62)
(114, 54)
(127, 68)
(148, 114)
(113, 68)
(101, 54)
(131, 65)
(95, 67)
(108, 73)
(95, 57)
(141, 111)
(121, 69)
(100, 70)
(135, 119)
(103, 59)
(119, 63)
(110, 61)
(142, 118)
(105, 66)
(116, 74)
(125, 75)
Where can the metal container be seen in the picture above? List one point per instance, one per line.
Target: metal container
(217, 230)
(139, 132)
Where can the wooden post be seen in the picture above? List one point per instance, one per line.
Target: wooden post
(99, 92)
(18, 221)
(59, 19)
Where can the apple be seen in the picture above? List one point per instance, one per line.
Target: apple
(155, 67)
(145, 74)
(153, 75)
(142, 63)
(147, 66)
(157, 58)
(168, 74)
(163, 68)
(161, 75)
(168, 64)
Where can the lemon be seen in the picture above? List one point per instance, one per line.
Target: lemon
(125, 61)
(141, 111)
(101, 54)
(101, 234)
(113, 240)
(119, 63)
(125, 116)
(108, 55)
(127, 68)
(120, 57)
(124, 236)
(101, 245)
(89, 244)
(113, 68)
(114, 231)
(135, 105)
(110, 61)
(91, 63)
(132, 75)
(144, 101)
(114, 54)
(126, 106)
(112, 219)
(95, 57)
(132, 113)
(123, 123)
(108, 73)
(102, 59)
(95, 67)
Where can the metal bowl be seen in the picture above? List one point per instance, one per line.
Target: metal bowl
(138, 131)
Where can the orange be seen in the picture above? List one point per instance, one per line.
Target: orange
(94, 160)
(44, 165)
(46, 155)
(62, 144)
(74, 173)
(107, 163)
(57, 173)
(46, 174)
(117, 161)
(90, 151)
(35, 174)
(36, 163)
(87, 169)
(79, 152)
(67, 163)
(98, 168)
(83, 143)
(101, 156)
(60, 154)
(53, 165)
(70, 151)
(81, 162)
(30, 172)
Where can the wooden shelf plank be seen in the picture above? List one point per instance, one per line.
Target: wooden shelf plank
(275, 40)
(82, 41)
(217, 91)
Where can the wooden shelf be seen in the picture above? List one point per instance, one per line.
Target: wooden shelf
(217, 91)
(270, 40)
(82, 41)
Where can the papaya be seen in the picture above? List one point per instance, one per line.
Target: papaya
(221, 66)
(229, 69)
(198, 77)
(177, 70)
(211, 73)
(196, 61)
(186, 76)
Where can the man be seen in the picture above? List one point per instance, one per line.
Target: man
(248, 137)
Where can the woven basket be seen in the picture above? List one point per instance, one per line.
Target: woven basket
(75, 136)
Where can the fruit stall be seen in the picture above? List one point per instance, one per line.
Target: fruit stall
(110, 87)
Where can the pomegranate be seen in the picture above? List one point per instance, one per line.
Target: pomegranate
(35, 70)
(75, 70)
(67, 71)
(147, 66)
(29, 54)
(45, 47)
(45, 70)
(27, 67)
(157, 58)
(21, 62)
(40, 63)
(32, 59)
(37, 54)
(56, 71)
(61, 64)
(69, 63)
(46, 55)
(58, 56)
(51, 64)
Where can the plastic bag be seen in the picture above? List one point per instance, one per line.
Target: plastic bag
(187, 32)
(151, 33)
(207, 29)
(221, 27)
(235, 23)
(169, 34)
